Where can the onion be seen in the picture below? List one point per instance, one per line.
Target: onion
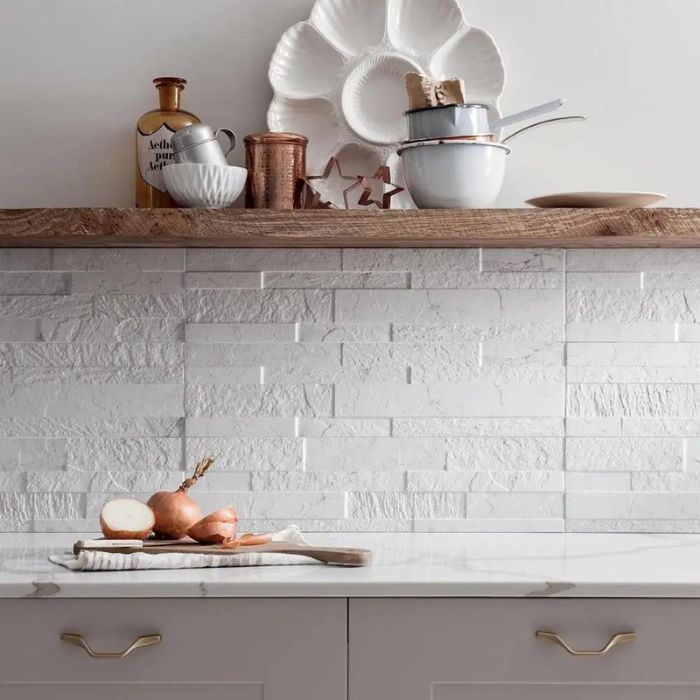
(250, 538)
(247, 539)
(126, 519)
(218, 527)
(175, 511)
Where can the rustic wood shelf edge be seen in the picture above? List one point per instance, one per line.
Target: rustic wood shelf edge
(439, 228)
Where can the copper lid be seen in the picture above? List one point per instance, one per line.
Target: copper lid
(276, 137)
(169, 80)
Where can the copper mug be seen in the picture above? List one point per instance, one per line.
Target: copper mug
(276, 163)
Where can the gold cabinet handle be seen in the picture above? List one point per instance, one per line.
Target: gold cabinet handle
(615, 640)
(145, 640)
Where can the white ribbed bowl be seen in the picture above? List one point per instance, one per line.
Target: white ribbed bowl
(204, 184)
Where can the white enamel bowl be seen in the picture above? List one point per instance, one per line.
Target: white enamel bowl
(454, 174)
(448, 120)
(204, 184)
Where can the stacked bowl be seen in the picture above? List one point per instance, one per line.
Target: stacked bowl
(200, 175)
(452, 158)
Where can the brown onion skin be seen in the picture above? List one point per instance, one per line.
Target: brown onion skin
(212, 533)
(175, 514)
(215, 528)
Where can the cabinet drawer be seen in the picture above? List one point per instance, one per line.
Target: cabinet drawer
(272, 648)
(410, 649)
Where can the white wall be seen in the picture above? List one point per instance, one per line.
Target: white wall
(350, 390)
(75, 75)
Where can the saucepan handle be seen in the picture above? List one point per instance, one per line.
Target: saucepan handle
(536, 125)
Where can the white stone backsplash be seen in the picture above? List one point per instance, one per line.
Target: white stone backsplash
(428, 390)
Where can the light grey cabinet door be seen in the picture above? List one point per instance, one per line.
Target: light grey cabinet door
(487, 649)
(455, 691)
(210, 649)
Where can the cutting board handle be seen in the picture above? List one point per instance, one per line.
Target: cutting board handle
(344, 556)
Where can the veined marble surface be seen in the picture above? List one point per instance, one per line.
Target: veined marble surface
(430, 565)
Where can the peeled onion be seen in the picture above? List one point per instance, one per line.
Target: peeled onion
(175, 511)
(126, 519)
(250, 538)
(217, 527)
(247, 539)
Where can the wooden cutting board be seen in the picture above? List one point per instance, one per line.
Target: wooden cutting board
(344, 556)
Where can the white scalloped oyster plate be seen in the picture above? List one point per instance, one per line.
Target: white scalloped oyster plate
(338, 77)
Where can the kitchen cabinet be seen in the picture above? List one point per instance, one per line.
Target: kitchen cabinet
(487, 649)
(350, 649)
(210, 649)
(437, 617)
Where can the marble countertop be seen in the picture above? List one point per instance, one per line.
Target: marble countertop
(433, 565)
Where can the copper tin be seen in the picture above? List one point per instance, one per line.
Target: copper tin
(276, 163)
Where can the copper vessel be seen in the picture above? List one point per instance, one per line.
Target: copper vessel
(276, 163)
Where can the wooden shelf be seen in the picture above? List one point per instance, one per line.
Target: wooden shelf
(445, 228)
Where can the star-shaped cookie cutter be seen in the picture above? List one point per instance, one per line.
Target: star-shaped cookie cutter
(315, 200)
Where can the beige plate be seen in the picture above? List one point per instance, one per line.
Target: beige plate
(597, 199)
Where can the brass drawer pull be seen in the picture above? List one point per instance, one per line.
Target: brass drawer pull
(144, 641)
(615, 640)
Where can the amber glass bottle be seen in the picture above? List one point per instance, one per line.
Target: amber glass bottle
(153, 152)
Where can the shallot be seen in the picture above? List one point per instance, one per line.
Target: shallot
(175, 512)
(250, 538)
(247, 539)
(126, 519)
(217, 527)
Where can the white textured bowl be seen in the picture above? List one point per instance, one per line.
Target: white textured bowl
(204, 184)
(454, 174)
(475, 58)
(314, 116)
(421, 26)
(350, 26)
(304, 63)
(374, 96)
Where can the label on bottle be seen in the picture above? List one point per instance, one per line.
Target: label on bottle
(154, 153)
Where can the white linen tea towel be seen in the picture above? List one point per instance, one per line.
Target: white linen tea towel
(87, 560)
